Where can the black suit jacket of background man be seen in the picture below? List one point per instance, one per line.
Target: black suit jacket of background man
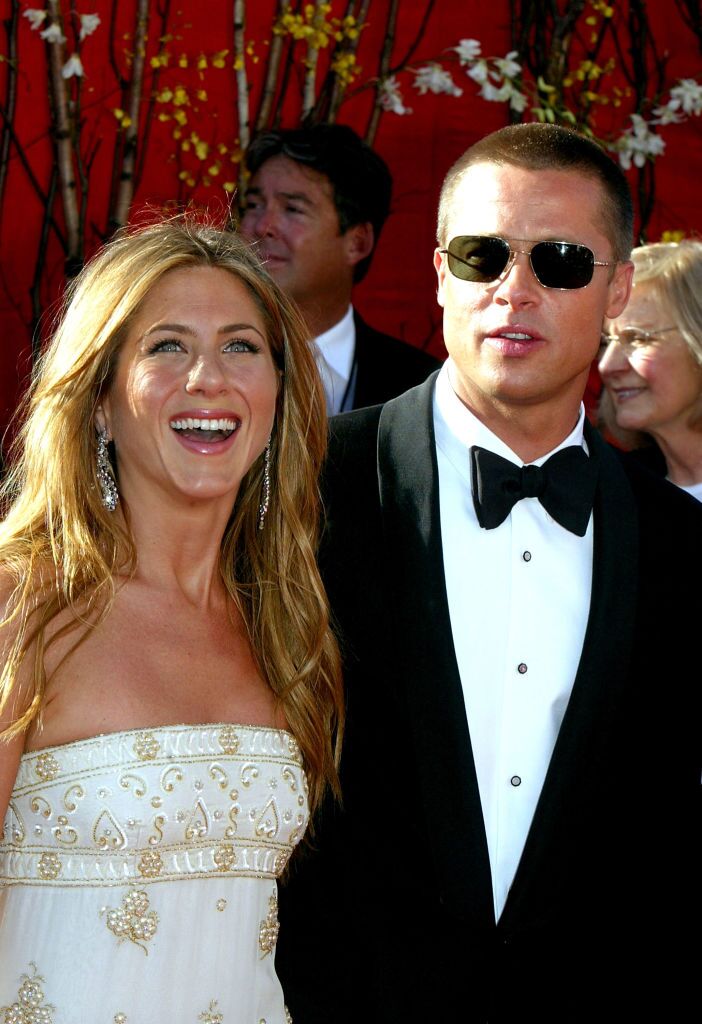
(386, 366)
(390, 919)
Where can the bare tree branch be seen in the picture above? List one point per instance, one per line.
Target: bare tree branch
(275, 54)
(383, 71)
(10, 62)
(164, 12)
(242, 85)
(62, 136)
(125, 193)
(417, 39)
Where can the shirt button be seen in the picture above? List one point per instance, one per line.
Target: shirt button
(526, 555)
(521, 668)
(515, 780)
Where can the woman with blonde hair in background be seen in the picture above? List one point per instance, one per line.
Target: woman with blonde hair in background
(170, 699)
(652, 365)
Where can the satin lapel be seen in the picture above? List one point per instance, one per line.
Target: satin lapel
(427, 671)
(602, 672)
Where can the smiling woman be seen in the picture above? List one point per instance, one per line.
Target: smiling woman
(170, 700)
(652, 364)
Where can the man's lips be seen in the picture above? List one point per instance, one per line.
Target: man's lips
(515, 340)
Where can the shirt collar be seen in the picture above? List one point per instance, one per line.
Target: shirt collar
(337, 345)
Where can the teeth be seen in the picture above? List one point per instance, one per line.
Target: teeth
(202, 424)
(514, 336)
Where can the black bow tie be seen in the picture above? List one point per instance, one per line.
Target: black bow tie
(565, 486)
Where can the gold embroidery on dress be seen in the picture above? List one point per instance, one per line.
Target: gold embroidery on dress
(29, 1009)
(107, 834)
(198, 822)
(228, 739)
(221, 904)
(218, 774)
(224, 857)
(150, 864)
(128, 778)
(168, 784)
(63, 832)
(212, 1016)
(268, 932)
(49, 866)
(18, 830)
(47, 767)
(146, 746)
(159, 819)
(73, 793)
(248, 773)
(133, 920)
(268, 822)
(120, 1018)
(288, 1016)
(41, 806)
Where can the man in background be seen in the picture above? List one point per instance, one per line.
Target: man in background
(315, 205)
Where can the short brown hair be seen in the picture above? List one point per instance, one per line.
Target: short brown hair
(541, 147)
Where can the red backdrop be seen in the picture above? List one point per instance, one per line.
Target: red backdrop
(399, 295)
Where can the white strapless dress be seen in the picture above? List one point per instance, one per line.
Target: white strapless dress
(138, 877)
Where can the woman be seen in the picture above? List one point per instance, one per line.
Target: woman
(652, 366)
(170, 682)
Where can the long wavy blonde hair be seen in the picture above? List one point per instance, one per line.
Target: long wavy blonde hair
(62, 550)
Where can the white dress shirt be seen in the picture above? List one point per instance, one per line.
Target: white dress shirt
(519, 598)
(335, 351)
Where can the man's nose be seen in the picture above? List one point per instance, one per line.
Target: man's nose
(261, 222)
(517, 284)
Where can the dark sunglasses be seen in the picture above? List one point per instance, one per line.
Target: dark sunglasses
(484, 258)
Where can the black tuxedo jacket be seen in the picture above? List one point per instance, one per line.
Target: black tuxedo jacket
(385, 366)
(390, 917)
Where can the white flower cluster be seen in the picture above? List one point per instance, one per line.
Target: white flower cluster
(640, 142)
(53, 34)
(497, 76)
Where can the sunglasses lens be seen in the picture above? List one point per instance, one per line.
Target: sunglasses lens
(477, 258)
(562, 264)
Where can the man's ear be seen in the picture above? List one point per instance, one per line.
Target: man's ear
(440, 268)
(619, 289)
(359, 242)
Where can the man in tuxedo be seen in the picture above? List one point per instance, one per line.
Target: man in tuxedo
(521, 758)
(315, 205)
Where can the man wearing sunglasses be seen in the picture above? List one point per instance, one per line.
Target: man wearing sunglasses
(520, 762)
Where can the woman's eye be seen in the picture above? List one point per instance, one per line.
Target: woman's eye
(168, 345)
(239, 345)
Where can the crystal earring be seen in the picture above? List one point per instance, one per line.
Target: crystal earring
(266, 495)
(106, 480)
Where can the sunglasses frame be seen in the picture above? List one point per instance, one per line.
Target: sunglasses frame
(511, 256)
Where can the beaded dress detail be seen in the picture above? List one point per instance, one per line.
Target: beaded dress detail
(138, 877)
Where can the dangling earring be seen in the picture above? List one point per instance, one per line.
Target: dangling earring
(106, 480)
(265, 497)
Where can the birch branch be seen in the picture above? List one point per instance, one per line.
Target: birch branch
(242, 85)
(131, 132)
(272, 69)
(62, 137)
(311, 62)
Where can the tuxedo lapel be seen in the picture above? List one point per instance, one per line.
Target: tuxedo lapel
(602, 674)
(428, 674)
